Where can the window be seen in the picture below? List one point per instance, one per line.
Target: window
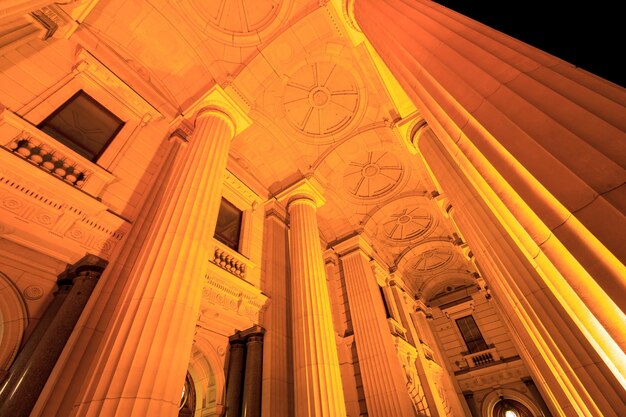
(228, 225)
(387, 311)
(83, 125)
(469, 330)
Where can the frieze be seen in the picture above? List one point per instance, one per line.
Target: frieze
(90, 67)
(239, 297)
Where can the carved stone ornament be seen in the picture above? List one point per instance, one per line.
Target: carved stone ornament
(321, 99)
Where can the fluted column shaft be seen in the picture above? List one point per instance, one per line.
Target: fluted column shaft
(62, 391)
(317, 377)
(551, 136)
(554, 345)
(384, 384)
(22, 389)
(163, 287)
(546, 140)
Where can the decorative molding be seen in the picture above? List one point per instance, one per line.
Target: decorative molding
(321, 99)
(496, 375)
(237, 24)
(237, 186)
(54, 218)
(234, 295)
(33, 292)
(307, 188)
(217, 99)
(373, 175)
(44, 152)
(93, 70)
(230, 260)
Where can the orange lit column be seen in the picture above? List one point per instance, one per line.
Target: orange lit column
(545, 139)
(76, 363)
(317, 377)
(141, 367)
(384, 383)
(557, 350)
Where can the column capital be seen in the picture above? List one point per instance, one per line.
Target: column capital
(216, 102)
(307, 189)
(353, 244)
(88, 263)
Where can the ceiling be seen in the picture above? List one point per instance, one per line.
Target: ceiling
(319, 107)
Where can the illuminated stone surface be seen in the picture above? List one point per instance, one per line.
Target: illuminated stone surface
(484, 176)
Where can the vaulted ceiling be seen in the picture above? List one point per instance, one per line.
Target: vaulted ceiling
(319, 107)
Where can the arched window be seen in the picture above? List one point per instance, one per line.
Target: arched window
(507, 407)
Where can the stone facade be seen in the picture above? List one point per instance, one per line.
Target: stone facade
(429, 214)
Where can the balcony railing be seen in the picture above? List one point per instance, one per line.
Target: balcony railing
(31, 144)
(230, 260)
(482, 358)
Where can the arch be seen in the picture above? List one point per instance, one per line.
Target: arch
(493, 398)
(206, 367)
(13, 322)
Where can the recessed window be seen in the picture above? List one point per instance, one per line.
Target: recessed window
(228, 226)
(83, 125)
(472, 336)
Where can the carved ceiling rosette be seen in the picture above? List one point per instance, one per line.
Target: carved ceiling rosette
(373, 175)
(322, 100)
(431, 260)
(239, 22)
(407, 224)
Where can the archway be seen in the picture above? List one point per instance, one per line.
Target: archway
(13, 322)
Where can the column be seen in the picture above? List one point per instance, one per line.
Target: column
(156, 314)
(234, 385)
(554, 342)
(277, 391)
(251, 404)
(542, 142)
(317, 377)
(530, 384)
(471, 403)
(29, 375)
(64, 284)
(59, 395)
(550, 136)
(383, 378)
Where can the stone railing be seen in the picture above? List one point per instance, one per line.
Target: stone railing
(48, 159)
(482, 358)
(230, 260)
(31, 144)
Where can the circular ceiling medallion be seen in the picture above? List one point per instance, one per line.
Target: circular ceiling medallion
(241, 16)
(238, 22)
(373, 175)
(407, 224)
(432, 259)
(321, 99)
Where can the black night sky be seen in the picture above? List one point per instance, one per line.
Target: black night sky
(590, 35)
